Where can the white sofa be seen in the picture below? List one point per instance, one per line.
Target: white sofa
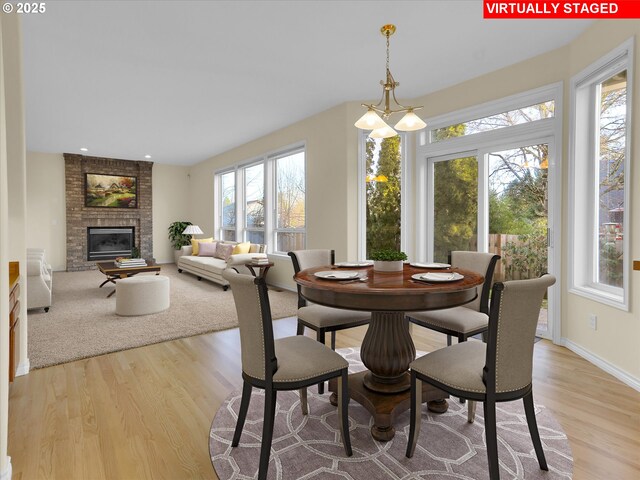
(211, 268)
(39, 280)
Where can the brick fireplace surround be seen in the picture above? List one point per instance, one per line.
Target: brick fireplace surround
(80, 217)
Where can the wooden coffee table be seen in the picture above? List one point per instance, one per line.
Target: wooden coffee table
(113, 272)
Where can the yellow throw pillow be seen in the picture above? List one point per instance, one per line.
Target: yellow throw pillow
(241, 248)
(196, 247)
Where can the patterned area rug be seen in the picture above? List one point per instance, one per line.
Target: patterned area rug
(449, 447)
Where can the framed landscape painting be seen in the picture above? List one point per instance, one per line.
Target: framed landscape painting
(112, 191)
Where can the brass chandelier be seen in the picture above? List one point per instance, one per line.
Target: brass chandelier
(372, 121)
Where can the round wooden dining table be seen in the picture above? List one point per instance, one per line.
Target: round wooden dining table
(387, 348)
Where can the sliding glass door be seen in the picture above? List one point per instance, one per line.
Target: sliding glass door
(519, 214)
(455, 205)
(494, 200)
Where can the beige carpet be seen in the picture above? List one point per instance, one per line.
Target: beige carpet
(82, 321)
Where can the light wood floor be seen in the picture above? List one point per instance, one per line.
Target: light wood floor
(146, 412)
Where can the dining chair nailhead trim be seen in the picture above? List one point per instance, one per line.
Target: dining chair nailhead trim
(264, 355)
(310, 376)
(457, 387)
(498, 341)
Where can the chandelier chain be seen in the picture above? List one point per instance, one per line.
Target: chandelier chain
(388, 35)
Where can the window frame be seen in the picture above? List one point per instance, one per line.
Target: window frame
(542, 131)
(268, 160)
(583, 195)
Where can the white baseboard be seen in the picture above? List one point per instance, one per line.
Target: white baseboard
(6, 474)
(23, 368)
(599, 362)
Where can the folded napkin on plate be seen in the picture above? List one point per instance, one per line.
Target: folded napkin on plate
(438, 276)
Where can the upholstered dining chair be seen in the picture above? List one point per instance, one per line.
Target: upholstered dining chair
(470, 319)
(317, 317)
(292, 363)
(498, 371)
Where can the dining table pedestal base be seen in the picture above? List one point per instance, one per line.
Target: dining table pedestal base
(385, 407)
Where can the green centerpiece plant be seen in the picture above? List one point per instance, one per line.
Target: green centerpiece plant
(388, 260)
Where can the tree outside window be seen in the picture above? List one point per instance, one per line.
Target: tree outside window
(383, 193)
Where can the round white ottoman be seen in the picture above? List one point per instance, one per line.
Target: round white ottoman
(142, 295)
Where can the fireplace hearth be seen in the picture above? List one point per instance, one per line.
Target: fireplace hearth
(107, 243)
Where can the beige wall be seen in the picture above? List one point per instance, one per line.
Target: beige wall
(331, 209)
(170, 204)
(618, 335)
(12, 205)
(616, 340)
(46, 207)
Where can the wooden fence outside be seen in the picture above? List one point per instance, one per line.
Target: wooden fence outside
(497, 241)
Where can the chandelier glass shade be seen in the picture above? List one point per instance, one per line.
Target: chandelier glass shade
(372, 119)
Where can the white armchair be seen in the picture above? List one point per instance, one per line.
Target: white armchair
(39, 280)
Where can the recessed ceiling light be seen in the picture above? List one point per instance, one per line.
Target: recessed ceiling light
(84, 149)
(147, 156)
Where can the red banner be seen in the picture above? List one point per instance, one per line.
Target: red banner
(561, 9)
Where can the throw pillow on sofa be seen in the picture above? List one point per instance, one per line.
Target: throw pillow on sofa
(242, 248)
(224, 251)
(196, 244)
(207, 249)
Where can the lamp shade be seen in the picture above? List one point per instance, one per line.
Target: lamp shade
(384, 132)
(370, 121)
(192, 230)
(410, 122)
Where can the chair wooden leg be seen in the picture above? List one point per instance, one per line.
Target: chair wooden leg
(333, 340)
(303, 401)
(300, 329)
(471, 411)
(320, 337)
(267, 432)
(343, 411)
(491, 439)
(415, 414)
(529, 410)
(242, 414)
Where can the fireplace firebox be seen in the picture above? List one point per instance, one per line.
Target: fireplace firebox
(107, 243)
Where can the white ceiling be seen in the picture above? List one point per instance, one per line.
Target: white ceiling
(183, 81)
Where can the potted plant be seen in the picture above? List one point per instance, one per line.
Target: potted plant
(388, 260)
(177, 238)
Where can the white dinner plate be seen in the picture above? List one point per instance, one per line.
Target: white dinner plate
(336, 275)
(430, 265)
(438, 277)
(354, 264)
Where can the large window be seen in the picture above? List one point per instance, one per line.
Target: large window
(511, 118)
(228, 206)
(271, 196)
(290, 202)
(254, 203)
(383, 200)
(600, 169)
